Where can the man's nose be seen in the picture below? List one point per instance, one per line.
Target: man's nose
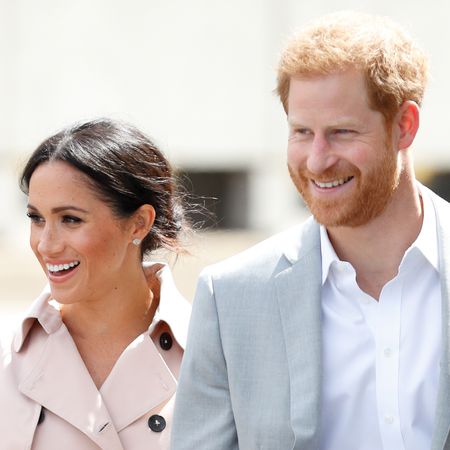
(321, 156)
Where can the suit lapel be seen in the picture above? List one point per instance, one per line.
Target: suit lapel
(299, 299)
(442, 421)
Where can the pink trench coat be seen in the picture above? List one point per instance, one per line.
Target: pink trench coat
(48, 400)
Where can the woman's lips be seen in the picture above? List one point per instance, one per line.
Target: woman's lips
(61, 272)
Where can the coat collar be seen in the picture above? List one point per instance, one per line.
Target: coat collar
(52, 374)
(173, 309)
(42, 311)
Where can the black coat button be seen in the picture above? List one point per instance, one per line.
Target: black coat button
(165, 341)
(156, 423)
(41, 416)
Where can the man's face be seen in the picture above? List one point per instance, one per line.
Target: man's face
(339, 154)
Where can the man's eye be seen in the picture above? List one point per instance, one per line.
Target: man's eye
(343, 131)
(71, 219)
(299, 133)
(35, 218)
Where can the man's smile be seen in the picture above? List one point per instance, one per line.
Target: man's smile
(332, 184)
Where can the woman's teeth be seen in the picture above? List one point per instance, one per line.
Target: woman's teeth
(331, 184)
(59, 267)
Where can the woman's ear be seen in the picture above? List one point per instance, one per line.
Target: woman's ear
(142, 222)
(407, 121)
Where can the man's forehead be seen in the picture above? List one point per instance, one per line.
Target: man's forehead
(340, 90)
(336, 121)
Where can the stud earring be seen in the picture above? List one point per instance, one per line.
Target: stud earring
(136, 241)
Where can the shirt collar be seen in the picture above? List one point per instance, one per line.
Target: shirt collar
(328, 254)
(426, 241)
(173, 309)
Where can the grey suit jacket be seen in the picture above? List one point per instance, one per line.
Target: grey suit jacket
(251, 374)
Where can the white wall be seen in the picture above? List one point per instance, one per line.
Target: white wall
(197, 75)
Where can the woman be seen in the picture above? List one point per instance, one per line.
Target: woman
(96, 359)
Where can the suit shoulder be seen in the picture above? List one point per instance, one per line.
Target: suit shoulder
(263, 257)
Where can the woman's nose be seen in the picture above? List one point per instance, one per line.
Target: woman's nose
(50, 242)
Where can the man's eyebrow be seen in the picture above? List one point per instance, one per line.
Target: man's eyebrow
(60, 208)
(345, 121)
(295, 123)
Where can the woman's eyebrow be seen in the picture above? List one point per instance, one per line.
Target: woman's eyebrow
(61, 208)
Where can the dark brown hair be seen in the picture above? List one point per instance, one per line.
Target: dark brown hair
(126, 170)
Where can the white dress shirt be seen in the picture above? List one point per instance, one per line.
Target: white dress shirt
(381, 359)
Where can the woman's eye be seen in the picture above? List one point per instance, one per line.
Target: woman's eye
(35, 218)
(71, 219)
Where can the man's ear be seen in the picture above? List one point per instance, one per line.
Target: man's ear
(407, 123)
(143, 219)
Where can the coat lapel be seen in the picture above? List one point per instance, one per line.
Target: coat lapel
(60, 382)
(442, 424)
(138, 383)
(299, 298)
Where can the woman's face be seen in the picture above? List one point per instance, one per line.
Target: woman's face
(82, 247)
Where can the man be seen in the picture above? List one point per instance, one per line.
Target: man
(331, 335)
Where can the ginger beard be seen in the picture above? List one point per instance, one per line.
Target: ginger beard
(365, 201)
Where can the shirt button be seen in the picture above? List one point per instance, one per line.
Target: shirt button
(388, 419)
(387, 352)
(156, 423)
(165, 341)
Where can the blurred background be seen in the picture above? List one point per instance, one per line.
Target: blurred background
(196, 75)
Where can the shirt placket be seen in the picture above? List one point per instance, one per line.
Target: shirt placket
(387, 338)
